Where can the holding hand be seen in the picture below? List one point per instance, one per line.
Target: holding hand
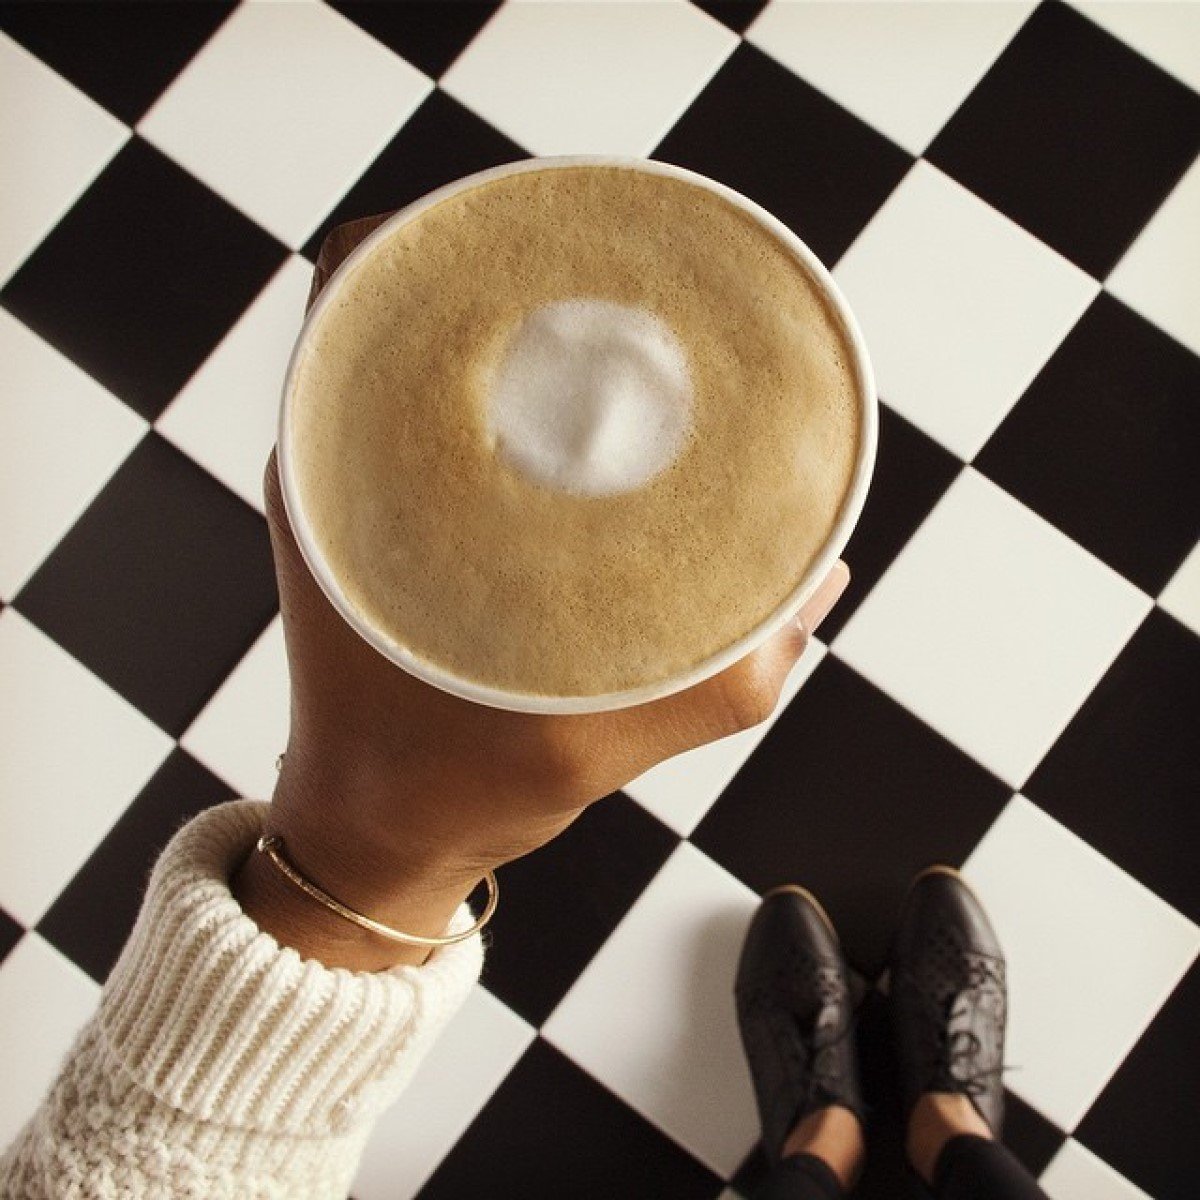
(397, 797)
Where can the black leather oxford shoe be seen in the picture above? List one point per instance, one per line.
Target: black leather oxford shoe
(796, 1015)
(948, 996)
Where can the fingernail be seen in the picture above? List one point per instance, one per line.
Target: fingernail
(821, 602)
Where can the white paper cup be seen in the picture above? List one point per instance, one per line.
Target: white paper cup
(527, 702)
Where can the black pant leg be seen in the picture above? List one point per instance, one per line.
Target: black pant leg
(976, 1168)
(801, 1177)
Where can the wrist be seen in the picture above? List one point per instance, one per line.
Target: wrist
(339, 835)
(300, 921)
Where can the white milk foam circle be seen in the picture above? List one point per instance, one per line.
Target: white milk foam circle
(591, 397)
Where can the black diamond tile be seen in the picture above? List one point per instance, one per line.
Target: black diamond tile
(767, 133)
(1146, 1122)
(850, 795)
(11, 932)
(161, 586)
(431, 34)
(912, 472)
(1125, 775)
(442, 141)
(122, 54)
(1029, 1135)
(550, 1131)
(1103, 444)
(142, 278)
(594, 871)
(734, 14)
(1073, 135)
(94, 915)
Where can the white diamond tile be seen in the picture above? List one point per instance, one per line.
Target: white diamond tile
(226, 416)
(903, 68)
(243, 729)
(283, 109)
(45, 1000)
(1066, 917)
(960, 307)
(680, 790)
(590, 77)
(457, 1078)
(1181, 597)
(54, 141)
(1159, 276)
(992, 626)
(652, 1016)
(75, 756)
(1075, 1173)
(64, 436)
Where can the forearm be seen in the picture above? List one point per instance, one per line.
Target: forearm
(219, 1064)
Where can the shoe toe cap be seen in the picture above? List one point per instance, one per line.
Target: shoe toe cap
(785, 922)
(940, 897)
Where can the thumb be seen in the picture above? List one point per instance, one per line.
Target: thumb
(780, 653)
(746, 692)
(819, 605)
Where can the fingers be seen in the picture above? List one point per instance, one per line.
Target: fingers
(290, 566)
(336, 247)
(273, 491)
(283, 540)
(274, 507)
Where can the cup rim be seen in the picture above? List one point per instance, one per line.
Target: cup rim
(431, 673)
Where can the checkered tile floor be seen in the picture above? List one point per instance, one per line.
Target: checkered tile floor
(1008, 194)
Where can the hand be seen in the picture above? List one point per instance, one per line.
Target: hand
(397, 797)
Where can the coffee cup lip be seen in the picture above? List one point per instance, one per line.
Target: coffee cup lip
(847, 518)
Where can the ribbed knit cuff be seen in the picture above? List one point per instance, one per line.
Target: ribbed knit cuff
(211, 1015)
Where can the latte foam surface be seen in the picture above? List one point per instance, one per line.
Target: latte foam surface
(573, 430)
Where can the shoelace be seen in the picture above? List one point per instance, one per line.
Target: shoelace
(825, 1078)
(810, 1053)
(953, 1063)
(963, 1047)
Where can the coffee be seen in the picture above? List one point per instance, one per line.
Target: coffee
(573, 431)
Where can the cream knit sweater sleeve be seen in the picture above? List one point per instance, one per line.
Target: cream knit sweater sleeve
(220, 1065)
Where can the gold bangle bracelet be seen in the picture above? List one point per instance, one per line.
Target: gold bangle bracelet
(271, 844)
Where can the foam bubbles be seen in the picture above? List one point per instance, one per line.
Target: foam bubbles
(591, 397)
